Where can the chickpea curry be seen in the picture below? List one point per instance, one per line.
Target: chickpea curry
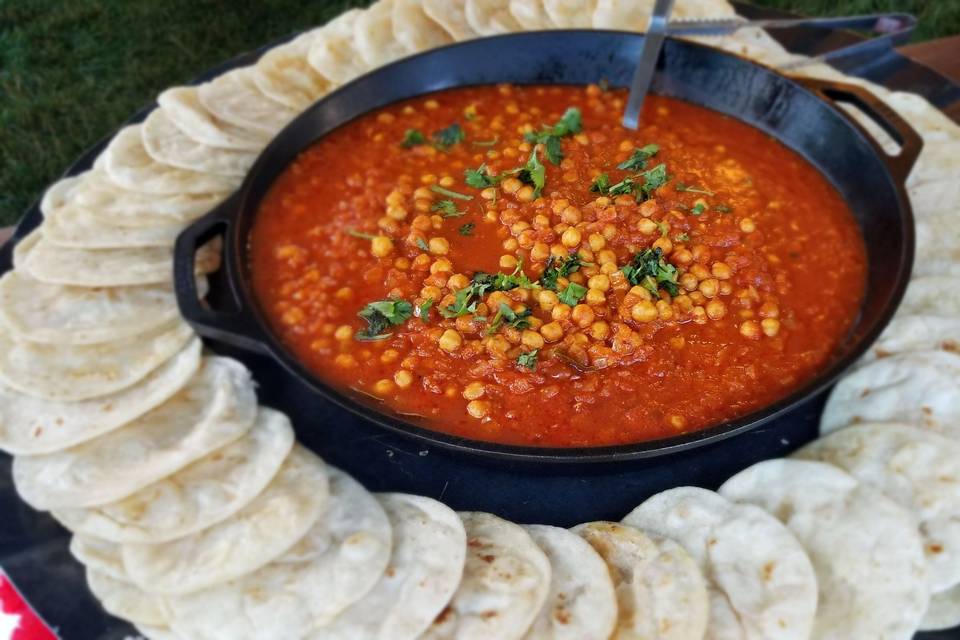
(510, 264)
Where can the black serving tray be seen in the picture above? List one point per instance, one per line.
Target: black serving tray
(33, 548)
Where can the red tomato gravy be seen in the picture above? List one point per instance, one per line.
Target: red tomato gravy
(527, 271)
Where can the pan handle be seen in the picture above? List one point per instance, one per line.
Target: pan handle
(886, 118)
(237, 327)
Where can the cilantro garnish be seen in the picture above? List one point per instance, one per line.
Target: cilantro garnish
(466, 229)
(638, 160)
(528, 359)
(569, 123)
(360, 234)
(573, 294)
(654, 179)
(447, 209)
(446, 138)
(685, 188)
(601, 184)
(682, 237)
(412, 138)
(509, 317)
(463, 303)
(534, 173)
(486, 143)
(467, 299)
(624, 187)
(422, 245)
(479, 178)
(698, 209)
(423, 310)
(381, 315)
(649, 270)
(450, 194)
(556, 268)
(723, 208)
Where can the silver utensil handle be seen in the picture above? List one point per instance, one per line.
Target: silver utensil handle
(643, 76)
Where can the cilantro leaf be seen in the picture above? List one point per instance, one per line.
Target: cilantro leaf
(649, 270)
(601, 184)
(573, 294)
(553, 149)
(698, 209)
(463, 303)
(447, 209)
(412, 138)
(570, 122)
(723, 208)
(534, 173)
(509, 317)
(654, 179)
(381, 315)
(625, 186)
(450, 194)
(422, 245)
(479, 178)
(685, 188)
(638, 160)
(682, 237)
(423, 310)
(528, 359)
(360, 234)
(446, 138)
(466, 229)
(556, 268)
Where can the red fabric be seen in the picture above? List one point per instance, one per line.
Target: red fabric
(15, 613)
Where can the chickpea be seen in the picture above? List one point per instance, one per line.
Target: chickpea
(770, 326)
(548, 300)
(682, 255)
(539, 252)
(699, 315)
(716, 309)
(511, 244)
(664, 310)
(601, 282)
(571, 237)
(769, 310)
(423, 193)
(747, 225)
(345, 361)
(596, 242)
(644, 311)
(478, 408)
(684, 302)
(750, 329)
(606, 256)
(583, 315)
(498, 346)
(383, 387)
(457, 281)
(450, 341)
(490, 193)
(664, 244)
(599, 330)
(721, 270)
(700, 271)
(595, 297)
(701, 253)
(639, 292)
(394, 198)
(397, 213)
(430, 292)
(381, 246)
(508, 262)
(421, 262)
(560, 312)
(571, 215)
(710, 287)
(649, 208)
(531, 339)
(726, 288)
(473, 390)
(552, 331)
(439, 246)
(511, 185)
(441, 265)
(421, 223)
(403, 378)
(647, 226)
(525, 194)
(689, 281)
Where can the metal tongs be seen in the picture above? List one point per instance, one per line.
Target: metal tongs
(891, 27)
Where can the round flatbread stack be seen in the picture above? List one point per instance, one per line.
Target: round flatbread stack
(176, 483)
(759, 579)
(866, 549)
(660, 592)
(582, 602)
(505, 583)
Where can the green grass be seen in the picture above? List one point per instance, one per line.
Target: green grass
(72, 70)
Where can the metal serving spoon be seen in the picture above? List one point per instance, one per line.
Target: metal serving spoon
(892, 27)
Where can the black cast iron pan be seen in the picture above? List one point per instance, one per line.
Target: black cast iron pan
(803, 116)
